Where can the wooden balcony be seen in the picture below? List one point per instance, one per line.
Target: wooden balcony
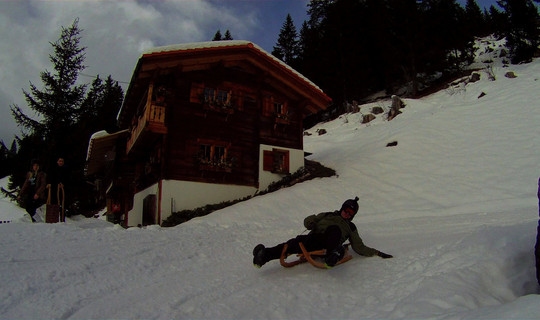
(150, 124)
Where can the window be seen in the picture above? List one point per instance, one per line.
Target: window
(216, 97)
(220, 154)
(205, 153)
(276, 161)
(223, 97)
(280, 111)
(159, 93)
(278, 108)
(212, 98)
(214, 155)
(209, 95)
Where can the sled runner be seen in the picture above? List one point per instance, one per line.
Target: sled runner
(313, 257)
(55, 212)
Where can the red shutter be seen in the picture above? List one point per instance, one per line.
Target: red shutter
(267, 106)
(286, 165)
(197, 90)
(268, 160)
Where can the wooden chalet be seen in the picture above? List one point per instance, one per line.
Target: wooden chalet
(204, 123)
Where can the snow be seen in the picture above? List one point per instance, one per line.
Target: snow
(227, 43)
(96, 135)
(454, 202)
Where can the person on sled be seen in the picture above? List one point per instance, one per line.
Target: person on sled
(328, 230)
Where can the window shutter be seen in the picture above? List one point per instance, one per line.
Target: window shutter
(197, 90)
(267, 106)
(268, 160)
(286, 161)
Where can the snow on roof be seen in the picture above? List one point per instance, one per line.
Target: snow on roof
(222, 44)
(101, 135)
(199, 45)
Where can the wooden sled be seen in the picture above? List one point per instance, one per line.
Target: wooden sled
(311, 257)
(55, 212)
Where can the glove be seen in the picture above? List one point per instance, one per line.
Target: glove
(384, 255)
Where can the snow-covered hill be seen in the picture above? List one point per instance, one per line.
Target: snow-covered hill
(454, 202)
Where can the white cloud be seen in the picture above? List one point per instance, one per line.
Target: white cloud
(115, 34)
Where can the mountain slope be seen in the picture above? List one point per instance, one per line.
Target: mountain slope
(454, 202)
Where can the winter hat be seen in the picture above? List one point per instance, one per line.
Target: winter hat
(351, 203)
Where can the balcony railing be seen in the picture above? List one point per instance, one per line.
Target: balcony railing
(152, 119)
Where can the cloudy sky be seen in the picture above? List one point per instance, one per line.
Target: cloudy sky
(117, 32)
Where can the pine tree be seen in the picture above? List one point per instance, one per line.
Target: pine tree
(100, 107)
(67, 116)
(318, 11)
(474, 19)
(7, 156)
(59, 102)
(497, 22)
(286, 48)
(408, 41)
(303, 39)
(228, 35)
(4, 153)
(451, 44)
(309, 51)
(522, 35)
(217, 36)
(57, 105)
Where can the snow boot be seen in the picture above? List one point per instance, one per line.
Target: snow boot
(333, 257)
(259, 256)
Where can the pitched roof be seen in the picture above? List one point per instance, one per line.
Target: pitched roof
(209, 45)
(223, 47)
(99, 148)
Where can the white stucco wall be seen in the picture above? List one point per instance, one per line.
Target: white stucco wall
(296, 161)
(181, 195)
(135, 214)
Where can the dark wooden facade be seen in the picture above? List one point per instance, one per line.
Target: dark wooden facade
(200, 112)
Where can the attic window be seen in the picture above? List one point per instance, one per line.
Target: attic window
(279, 108)
(215, 99)
(209, 95)
(223, 97)
(276, 161)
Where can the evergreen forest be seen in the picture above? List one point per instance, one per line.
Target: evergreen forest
(355, 48)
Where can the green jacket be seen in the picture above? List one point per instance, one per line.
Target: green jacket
(320, 222)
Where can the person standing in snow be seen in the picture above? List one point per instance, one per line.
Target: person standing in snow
(328, 230)
(32, 193)
(537, 247)
(60, 176)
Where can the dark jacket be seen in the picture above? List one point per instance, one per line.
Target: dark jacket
(320, 222)
(35, 183)
(60, 174)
